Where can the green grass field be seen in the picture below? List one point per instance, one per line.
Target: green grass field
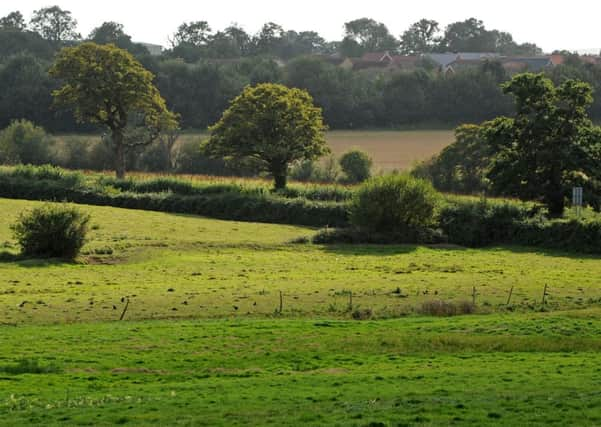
(202, 342)
(173, 266)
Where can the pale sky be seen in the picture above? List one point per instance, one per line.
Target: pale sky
(551, 24)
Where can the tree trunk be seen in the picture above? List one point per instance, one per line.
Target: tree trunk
(280, 175)
(119, 155)
(555, 195)
(280, 181)
(556, 203)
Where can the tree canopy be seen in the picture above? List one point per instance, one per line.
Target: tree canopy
(55, 24)
(108, 86)
(271, 124)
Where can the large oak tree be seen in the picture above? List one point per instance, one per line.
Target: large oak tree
(108, 86)
(271, 124)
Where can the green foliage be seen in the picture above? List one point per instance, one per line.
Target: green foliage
(356, 165)
(546, 142)
(460, 167)
(55, 24)
(395, 204)
(51, 231)
(128, 94)
(23, 142)
(270, 123)
(477, 223)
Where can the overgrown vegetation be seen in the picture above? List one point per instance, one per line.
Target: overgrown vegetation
(387, 209)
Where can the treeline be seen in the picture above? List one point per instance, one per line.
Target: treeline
(204, 69)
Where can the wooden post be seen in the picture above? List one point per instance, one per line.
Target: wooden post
(350, 301)
(509, 297)
(474, 296)
(124, 309)
(281, 302)
(545, 295)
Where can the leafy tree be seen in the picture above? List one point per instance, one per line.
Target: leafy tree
(108, 86)
(272, 124)
(17, 42)
(356, 165)
(23, 142)
(55, 24)
(195, 33)
(370, 35)
(269, 40)
(113, 33)
(547, 141)
(421, 37)
(460, 167)
(13, 21)
(25, 87)
(468, 36)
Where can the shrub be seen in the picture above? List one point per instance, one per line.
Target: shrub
(24, 142)
(481, 222)
(394, 203)
(356, 165)
(51, 231)
(303, 171)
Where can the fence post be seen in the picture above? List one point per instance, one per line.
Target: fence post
(509, 297)
(545, 295)
(350, 302)
(281, 302)
(474, 295)
(124, 309)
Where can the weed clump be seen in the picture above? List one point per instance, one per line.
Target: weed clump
(446, 308)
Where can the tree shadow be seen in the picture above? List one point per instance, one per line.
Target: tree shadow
(29, 262)
(348, 249)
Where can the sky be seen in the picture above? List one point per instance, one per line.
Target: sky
(551, 24)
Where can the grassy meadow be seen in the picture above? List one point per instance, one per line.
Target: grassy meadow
(202, 341)
(177, 266)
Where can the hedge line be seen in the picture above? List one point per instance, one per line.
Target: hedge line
(462, 221)
(225, 205)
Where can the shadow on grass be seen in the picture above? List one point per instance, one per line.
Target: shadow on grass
(23, 261)
(400, 249)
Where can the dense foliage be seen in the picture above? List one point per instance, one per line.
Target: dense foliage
(394, 203)
(205, 69)
(53, 231)
(271, 125)
(460, 220)
(356, 165)
(126, 102)
(546, 148)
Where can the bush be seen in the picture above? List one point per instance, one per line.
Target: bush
(24, 142)
(356, 165)
(51, 231)
(478, 223)
(394, 204)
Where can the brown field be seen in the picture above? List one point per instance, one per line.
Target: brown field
(392, 149)
(389, 149)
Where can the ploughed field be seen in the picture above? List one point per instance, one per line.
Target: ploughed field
(203, 341)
